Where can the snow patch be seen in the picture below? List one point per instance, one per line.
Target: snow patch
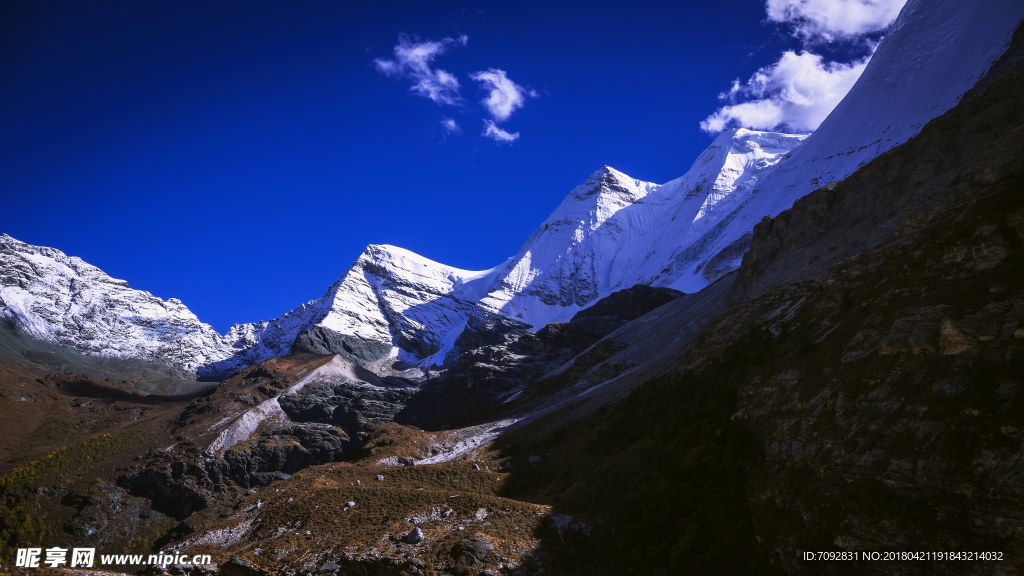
(246, 424)
(469, 439)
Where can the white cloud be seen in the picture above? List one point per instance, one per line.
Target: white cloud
(800, 90)
(829, 20)
(412, 61)
(797, 92)
(450, 126)
(505, 95)
(497, 134)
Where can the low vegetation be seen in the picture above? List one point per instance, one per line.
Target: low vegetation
(658, 480)
(20, 523)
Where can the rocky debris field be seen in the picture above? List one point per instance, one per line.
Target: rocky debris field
(354, 518)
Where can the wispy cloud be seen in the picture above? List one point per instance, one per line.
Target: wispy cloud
(800, 90)
(504, 95)
(797, 92)
(412, 60)
(830, 20)
(492, 131)
(450, 126)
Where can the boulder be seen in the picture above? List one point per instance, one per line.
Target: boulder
(414, 537)
(476, 550)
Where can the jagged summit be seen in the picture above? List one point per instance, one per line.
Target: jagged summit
(394, 309)
(393, 304)
(603, 181)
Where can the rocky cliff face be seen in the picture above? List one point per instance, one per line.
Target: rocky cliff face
(494, 380)
(859, 392)
(890, 414)
(264, 423)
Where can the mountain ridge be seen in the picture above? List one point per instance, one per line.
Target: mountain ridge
(396, 311)
(393, 310)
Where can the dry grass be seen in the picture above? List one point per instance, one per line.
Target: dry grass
(300, 524)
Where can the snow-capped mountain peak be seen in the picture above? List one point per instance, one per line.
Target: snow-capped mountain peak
(62, 299)
(393, 303)
(615, 231)
(393, 309)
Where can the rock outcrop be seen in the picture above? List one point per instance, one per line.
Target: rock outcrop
(489, 380)
(263, 424)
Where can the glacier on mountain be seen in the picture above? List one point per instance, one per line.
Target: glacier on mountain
(688, 232)
(393, 309)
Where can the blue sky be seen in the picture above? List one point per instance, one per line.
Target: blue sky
(239, 155)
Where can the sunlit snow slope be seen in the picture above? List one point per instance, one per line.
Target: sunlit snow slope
(934, 52)
(64, 300)
(613, 232)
